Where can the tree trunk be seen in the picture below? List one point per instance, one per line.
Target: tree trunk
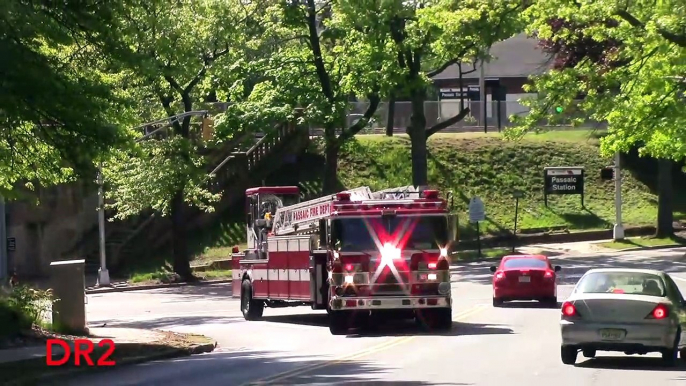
(390, 120)
(665, 217)
(330, 184)
(417, 132)
(182, 265)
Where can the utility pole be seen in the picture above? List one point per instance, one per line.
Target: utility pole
(618, 230)
(103, 274)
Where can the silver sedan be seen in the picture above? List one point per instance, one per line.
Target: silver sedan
(635, 311)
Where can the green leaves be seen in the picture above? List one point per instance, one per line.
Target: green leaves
(634, 82)
(149, 174)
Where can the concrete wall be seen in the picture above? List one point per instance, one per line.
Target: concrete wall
(47, 231)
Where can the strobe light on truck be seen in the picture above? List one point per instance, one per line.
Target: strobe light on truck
(355, 253)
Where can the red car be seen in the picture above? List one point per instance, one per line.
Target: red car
(525, 277)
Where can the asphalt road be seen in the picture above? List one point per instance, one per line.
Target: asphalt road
(515, 345)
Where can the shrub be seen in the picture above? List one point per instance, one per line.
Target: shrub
(21, 307)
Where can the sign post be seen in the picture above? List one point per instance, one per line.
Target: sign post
(477, 213)
(563, 180)
(517, 194)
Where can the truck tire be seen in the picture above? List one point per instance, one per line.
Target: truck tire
(436, 319)
(338, 322)
(252, 309)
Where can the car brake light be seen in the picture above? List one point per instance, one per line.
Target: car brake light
(661, 311)
(548, 275)
(568, 309)
(499, 276)
(432, 265)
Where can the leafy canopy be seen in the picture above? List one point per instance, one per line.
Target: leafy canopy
(178, 53)
(634, 80)
(55, 116)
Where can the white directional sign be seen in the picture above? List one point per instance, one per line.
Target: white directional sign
(477, 211)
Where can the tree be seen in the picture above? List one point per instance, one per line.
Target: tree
(177, 49)
(324, 58)
(636, 85)
(429, 37)
(55, 117)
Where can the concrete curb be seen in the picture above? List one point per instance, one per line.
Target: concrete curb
(650, 248)
(56, 377)
(127, 288)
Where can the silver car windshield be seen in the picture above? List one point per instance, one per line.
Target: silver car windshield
(630, 283)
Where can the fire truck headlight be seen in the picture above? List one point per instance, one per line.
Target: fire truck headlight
(431, 276)
(444, 252)
(444, 288)
(349, 279)
(389, 253)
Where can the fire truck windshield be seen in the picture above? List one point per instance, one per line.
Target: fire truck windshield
(362, 234)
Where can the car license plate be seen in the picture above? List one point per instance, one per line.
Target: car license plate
(609, 334)
(525, 279)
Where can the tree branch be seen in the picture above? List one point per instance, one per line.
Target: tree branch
(350, 132)
(315, 43)
(447, 123)
(679, 40)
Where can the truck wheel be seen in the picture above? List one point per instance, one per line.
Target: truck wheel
(436, 319)
(252, 309)
(338, 322)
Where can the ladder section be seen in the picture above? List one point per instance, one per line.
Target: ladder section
(305, 216)
(401, 192)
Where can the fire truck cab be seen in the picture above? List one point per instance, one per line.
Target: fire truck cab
(356, 254)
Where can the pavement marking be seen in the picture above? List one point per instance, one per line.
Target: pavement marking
(357, 355)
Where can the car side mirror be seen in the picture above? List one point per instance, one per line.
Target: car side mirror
(493, 269)
(558, 268)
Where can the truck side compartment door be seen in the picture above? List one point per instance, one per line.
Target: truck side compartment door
(319, 279)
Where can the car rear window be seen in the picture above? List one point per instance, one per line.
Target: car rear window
(631, 283)
(525, 263)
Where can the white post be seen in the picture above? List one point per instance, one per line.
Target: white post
(618, 230)
(103, 274)
(482, 95)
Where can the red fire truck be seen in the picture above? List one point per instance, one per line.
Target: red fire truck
(357, 254)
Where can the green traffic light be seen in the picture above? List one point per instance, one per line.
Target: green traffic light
(558, 109)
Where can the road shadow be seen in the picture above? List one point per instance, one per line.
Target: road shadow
(391, 327)
(163, 323)
(189, 293)
(574, 267)
(630, 363)
(250, 367)
(530, 304)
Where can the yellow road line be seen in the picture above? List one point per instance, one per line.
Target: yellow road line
(360, 354)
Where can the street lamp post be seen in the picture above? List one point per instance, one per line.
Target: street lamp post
(618, 230)
(103, 274)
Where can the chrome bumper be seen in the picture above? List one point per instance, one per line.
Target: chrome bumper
(390, 302)
(576, 333)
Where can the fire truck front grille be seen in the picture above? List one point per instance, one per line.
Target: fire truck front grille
(388, 284)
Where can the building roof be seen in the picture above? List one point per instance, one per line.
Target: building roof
(517, 57)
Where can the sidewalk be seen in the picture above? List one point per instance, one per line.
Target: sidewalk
(118, 335)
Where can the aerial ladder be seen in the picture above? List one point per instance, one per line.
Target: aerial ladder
(304, 217)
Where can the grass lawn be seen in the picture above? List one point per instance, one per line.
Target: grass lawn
(486, 254)
(636, 242)
(487, 166)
